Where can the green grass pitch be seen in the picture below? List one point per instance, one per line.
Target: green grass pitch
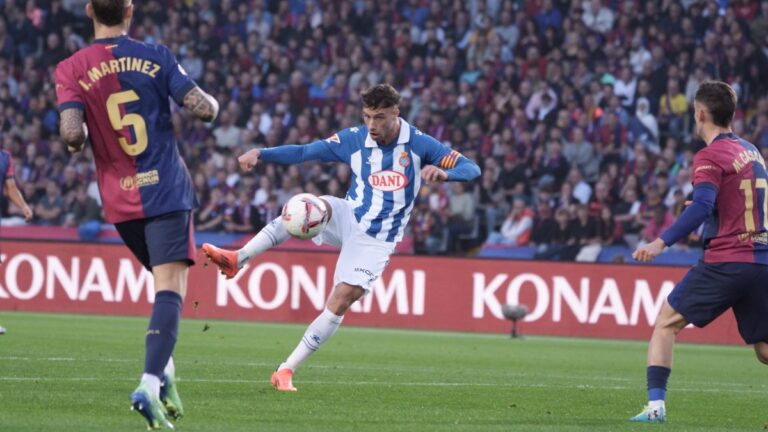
(75, 373)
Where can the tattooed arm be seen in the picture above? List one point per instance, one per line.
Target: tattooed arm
(202, 105)
(72, 129)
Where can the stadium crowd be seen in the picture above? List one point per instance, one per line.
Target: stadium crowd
(578, 112)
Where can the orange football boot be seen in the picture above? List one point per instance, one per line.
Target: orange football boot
(225, 260)
(282, 380)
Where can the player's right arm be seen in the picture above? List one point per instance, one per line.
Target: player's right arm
(327, 150)
(72, 129)
(184, 90)
(71, 108)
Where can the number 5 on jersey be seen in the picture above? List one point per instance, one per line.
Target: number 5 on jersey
(746, 186)
(119, 123)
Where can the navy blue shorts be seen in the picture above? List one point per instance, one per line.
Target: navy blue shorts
(709, 289)
(160, 239)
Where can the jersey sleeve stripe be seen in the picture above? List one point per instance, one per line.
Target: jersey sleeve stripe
(443, 162)
(71, 104)
(180, 93)
(453, 157)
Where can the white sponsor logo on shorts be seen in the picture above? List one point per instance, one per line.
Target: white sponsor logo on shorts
(388, 181)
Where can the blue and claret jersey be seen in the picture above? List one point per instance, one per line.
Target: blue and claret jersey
(123, 86)
(385, 179)
(737, 230)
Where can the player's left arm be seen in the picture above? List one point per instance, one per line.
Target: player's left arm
(444, 164)
(706, 179)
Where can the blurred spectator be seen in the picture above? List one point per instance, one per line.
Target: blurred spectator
(661, 220)
(608, 230)
(584, 229)
(429, 232)
(582, 191)
(211, 215)
(461, 214)
(50, 207)
(673, 109)
(557, 240)
(517, 227)
(596, 16)
(491, 199)
(581, 153)
(82, 209)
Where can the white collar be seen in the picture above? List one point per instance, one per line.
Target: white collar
(404, 137)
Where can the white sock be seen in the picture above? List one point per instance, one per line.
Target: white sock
(656, 404)
(170, 368)
(153, 382)
(271, 235)
(321, 329)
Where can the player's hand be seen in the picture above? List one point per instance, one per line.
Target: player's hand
(249, 159)
(75, 149)
(28, 214)
(650, 251)
(431, 173)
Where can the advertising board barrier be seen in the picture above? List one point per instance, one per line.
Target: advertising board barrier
(564, 299)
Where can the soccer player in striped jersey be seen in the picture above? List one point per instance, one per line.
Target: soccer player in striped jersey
(389, 158)
(730, 195)
(118, 89)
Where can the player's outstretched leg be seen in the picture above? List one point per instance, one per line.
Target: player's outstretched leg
(230, 262)
(660, 348)
(318, 332)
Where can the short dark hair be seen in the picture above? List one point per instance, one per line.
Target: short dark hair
(109, 12)
(720, 100)
(380, 96)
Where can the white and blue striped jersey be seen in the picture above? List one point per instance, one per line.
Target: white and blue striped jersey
(385, 179)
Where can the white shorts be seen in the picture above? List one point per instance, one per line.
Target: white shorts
(362, 258)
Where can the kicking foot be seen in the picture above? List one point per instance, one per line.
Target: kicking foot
(225, 260)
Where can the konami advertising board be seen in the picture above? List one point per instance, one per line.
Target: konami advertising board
(565, 299)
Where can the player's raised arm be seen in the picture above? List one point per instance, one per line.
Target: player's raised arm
(327, 150)
(203, 106)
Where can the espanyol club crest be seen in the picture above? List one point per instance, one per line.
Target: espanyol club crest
(404, 160)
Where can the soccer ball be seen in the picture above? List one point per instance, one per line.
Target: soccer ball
(304, 216)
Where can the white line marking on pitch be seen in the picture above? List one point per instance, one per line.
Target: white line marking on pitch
(391, 384)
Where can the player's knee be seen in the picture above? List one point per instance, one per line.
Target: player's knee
(342, 298)
(671, 324)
